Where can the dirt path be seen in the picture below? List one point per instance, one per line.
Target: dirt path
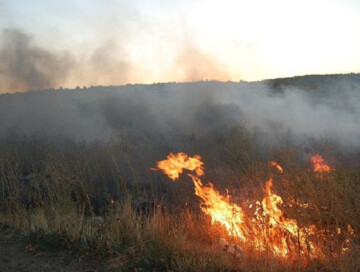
(16, 254)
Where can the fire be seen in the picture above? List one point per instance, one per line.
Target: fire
(174, 165)
(219, 208)
(292, 202)
(278, 167)
(265, 229)
(319, 164)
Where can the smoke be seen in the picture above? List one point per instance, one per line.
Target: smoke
(24, 66)
(191, 64)
(320, 107)
(305, 108)
(127, 114)
(327, 113)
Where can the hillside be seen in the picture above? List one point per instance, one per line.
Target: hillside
(203, 176)
(307, 107)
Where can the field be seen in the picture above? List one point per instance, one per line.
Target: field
(85, 182)
(103, 201)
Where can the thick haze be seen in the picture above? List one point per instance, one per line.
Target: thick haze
(69, 44)
(49, 44)
(305, 108)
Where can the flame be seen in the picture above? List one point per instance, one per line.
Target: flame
(174, 165)
(265, 229)
(268, 229)
(350, 233)
(278, 167)
(218, 207)
(319, 164)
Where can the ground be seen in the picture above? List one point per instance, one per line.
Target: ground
(19, 255)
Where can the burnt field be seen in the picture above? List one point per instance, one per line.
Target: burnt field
(268, 180)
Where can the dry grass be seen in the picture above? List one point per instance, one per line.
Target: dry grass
(57, 190)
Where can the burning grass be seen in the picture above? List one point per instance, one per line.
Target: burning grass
(266, 229)
(275, 216)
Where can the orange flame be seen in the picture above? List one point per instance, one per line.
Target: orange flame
(278, 167)
(218, 207)
(319, 164)
(266, 229)
(174, 165)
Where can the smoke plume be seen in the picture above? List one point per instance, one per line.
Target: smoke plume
(24, 66)
(304, 108)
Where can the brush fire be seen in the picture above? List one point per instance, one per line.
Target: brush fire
(262, 226)
(319, 165)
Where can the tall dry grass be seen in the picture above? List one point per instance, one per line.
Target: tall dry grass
(59, 188)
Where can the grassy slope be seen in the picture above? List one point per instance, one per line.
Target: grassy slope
(52, 188)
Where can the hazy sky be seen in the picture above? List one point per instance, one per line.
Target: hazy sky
(133, 41)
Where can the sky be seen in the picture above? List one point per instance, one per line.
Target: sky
(53, 43)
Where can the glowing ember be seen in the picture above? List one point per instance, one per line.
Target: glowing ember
(266, 229)
(319, 164)
(292, 202)
(351, 233)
